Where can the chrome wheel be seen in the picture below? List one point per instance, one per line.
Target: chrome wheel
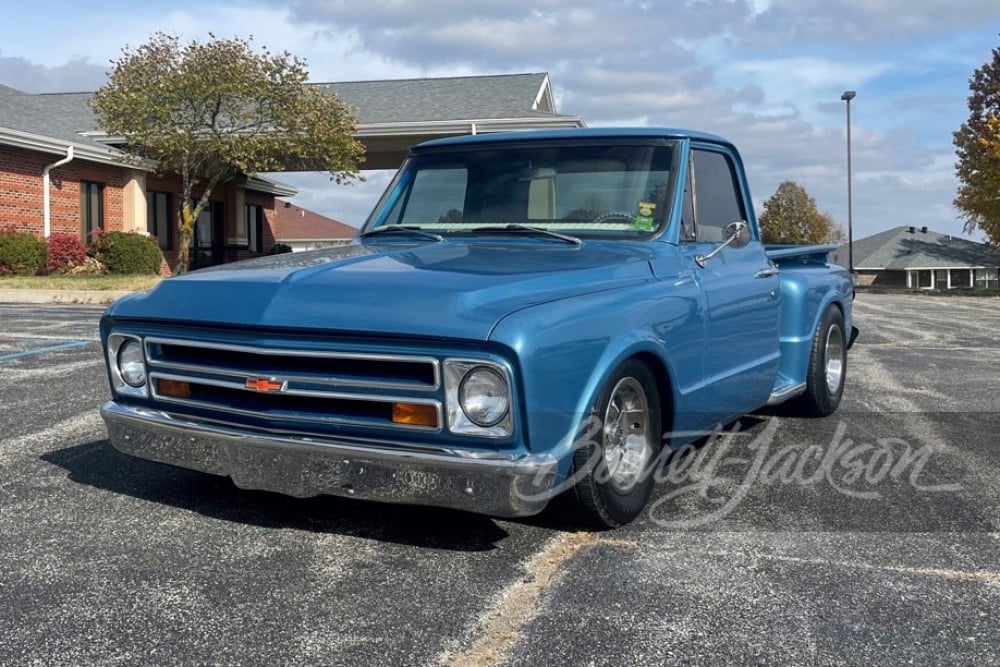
(627, 448)
(834, 358)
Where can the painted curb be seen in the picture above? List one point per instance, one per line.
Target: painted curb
(87, 297)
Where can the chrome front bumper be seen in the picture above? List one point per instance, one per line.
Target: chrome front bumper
(304, 466)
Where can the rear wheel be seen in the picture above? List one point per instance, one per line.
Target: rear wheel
(615, 466)
(827, 367)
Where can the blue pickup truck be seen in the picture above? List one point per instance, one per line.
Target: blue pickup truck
(522, 314)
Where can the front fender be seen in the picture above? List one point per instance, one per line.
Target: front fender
(566, 351)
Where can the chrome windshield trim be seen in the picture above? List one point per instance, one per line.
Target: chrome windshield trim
(433, 362)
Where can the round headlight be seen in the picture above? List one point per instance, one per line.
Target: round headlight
(131, 364)
(483, 395)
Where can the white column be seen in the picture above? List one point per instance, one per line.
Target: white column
(949, 278)
(134, 202)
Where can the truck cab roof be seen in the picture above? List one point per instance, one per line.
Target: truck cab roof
(576, 133)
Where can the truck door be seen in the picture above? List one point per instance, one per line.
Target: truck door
(741, 287)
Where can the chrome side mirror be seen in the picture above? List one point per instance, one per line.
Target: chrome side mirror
(739, 237)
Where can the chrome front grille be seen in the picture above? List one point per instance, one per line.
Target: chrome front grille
(293, 385)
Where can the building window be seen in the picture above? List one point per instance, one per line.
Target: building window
(254, 227)
(237, 231)
(91, 208)
(158, 219)
(987, 279)
(923, 279)
(204, 229)
(961, 278)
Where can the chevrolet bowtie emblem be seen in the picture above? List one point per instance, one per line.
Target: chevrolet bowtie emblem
(263, 385)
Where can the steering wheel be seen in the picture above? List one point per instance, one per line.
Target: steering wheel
(628, 217)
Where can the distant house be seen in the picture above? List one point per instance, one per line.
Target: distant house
(302, 229)
(60, 174)
(917, 258)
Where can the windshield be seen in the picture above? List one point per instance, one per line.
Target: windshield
(587, 190)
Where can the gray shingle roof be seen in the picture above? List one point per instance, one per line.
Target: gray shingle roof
(65, 115)
(900, 248)
(454, 98)
(59, 116)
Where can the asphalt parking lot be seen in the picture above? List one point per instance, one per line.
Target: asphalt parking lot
(870, 537)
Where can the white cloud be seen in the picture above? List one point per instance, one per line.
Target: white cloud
(73, 76)
(869, 21)
(765, 73)
(804, 71)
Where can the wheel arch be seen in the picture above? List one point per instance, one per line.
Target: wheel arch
(653, 357)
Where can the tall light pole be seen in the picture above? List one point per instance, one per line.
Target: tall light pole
(847, 97)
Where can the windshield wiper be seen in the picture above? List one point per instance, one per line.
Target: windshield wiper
(401, 229)
(518, 227)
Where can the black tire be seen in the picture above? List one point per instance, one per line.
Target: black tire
(824, 382)
(603, 498)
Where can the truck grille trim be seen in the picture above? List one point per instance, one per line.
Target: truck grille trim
(283, 385)
(341, 369)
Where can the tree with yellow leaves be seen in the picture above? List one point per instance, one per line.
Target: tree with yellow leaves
(218, 110)
(791, 217)
(977, 144)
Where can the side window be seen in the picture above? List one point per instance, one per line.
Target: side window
(717, 198)
(688, 225)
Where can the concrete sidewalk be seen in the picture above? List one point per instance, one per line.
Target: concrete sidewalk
(88, 297)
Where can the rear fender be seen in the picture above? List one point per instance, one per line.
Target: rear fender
(806, 293)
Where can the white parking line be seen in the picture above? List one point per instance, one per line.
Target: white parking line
(57, 345)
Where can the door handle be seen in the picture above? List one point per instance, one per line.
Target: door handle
(768, 272)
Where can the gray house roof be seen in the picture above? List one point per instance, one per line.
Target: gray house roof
(903, 248)
(453, 98)
(51, 123)
(392, 115)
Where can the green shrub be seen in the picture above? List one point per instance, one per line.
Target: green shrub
(128, 252)
(279, 249)
(21, 254)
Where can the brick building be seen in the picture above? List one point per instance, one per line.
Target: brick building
(48, 146)
(60, 174)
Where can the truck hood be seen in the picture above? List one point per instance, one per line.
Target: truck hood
(452, 289)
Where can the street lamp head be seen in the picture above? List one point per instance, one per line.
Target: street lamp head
(848, 95)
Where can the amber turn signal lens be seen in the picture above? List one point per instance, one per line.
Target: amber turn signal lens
(414, 414)
(173, 388)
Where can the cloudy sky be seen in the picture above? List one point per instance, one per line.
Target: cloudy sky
(767, 74)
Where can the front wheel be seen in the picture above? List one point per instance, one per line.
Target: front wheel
(827, 366)
(615, 464)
